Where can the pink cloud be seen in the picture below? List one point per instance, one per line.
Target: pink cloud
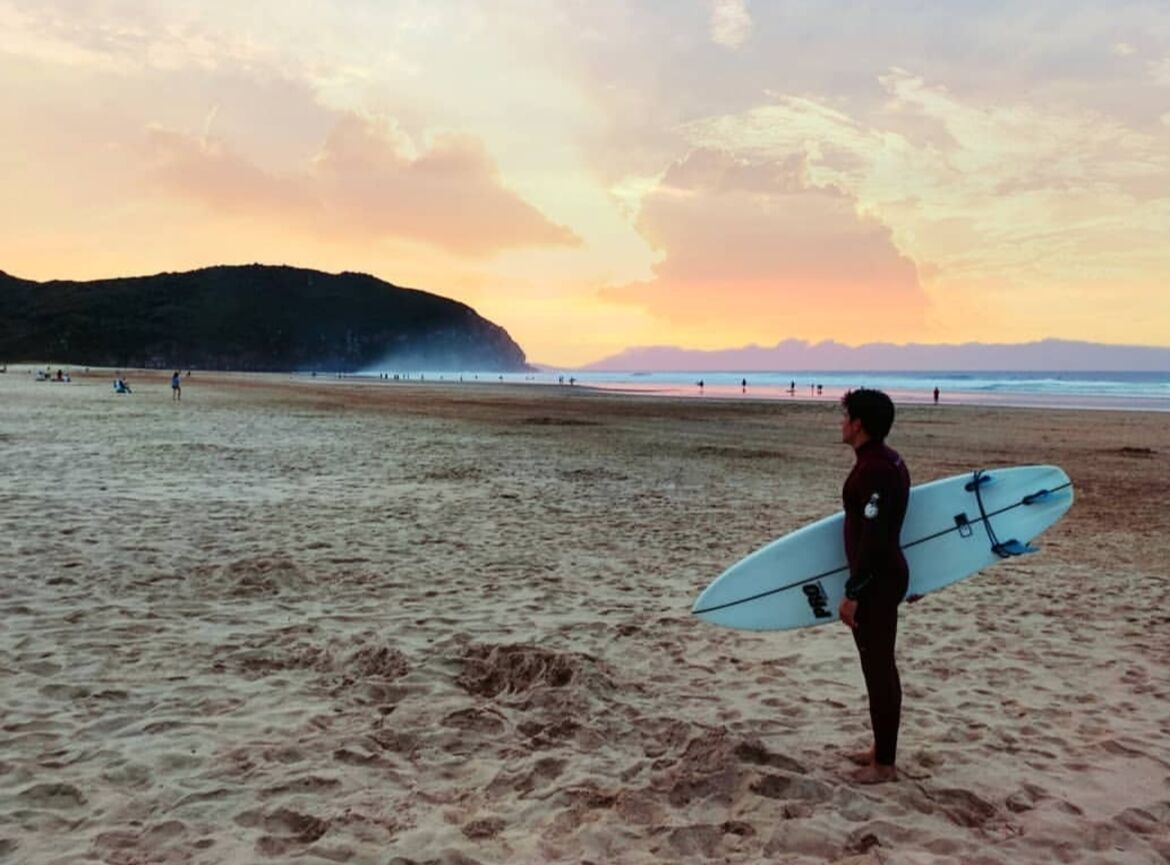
(206, 171)
(361, 183)
(755, 244)
(450, 195)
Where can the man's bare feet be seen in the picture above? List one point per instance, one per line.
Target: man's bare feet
(861, 758)
(875, 774)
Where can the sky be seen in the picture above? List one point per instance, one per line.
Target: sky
(595, 174)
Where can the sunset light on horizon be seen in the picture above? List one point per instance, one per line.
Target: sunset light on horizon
(593, 176)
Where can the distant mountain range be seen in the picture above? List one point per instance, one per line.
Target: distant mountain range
(795, 354)
(252, 317)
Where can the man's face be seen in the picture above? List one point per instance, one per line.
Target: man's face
(850, 428)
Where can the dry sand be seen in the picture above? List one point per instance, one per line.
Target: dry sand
(323, 621)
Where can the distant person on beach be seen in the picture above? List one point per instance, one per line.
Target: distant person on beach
(936, 396)
(120, 385)
(176, 386)
(875, 496)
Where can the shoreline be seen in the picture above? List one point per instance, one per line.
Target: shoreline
(726, 394)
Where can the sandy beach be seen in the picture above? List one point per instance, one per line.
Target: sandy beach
(366, 622)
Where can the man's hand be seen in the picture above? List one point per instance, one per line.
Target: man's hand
(847, 611)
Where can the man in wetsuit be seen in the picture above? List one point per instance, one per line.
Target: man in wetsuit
(875, 495)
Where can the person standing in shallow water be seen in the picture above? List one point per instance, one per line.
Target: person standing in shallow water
(176, 386)
(875, 496)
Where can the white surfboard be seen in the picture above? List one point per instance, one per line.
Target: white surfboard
(953, 528)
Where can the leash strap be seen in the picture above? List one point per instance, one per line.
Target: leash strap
(1005, 550)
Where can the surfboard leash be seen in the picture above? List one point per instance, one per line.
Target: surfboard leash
(1005, 550)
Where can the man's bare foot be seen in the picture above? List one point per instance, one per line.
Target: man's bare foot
(861, 758)
(875, 774)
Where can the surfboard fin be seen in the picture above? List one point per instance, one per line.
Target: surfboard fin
(1038, 496)
(978, 479)
(1007, 549)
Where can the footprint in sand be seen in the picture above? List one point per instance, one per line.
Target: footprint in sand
(56, 796)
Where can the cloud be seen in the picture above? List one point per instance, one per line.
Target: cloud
(731, 22)
(1030, 215)
(128, 37)
(363, 182)
(207, 171)
(929, 155)
(754, 250)
(1160, 72)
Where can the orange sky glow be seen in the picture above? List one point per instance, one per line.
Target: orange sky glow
(592, 176)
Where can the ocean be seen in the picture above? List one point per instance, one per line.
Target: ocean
(1127, 391)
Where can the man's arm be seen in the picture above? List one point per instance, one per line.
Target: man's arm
(879, 486)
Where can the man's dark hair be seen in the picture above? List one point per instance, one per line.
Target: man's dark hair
(873, 408)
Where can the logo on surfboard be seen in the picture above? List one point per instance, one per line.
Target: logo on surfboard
(817, 600)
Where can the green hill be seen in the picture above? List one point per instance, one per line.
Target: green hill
(254, 317)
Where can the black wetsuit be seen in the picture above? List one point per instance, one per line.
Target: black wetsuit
(875, 495)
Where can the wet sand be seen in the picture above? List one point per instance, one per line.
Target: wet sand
(336, 621)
